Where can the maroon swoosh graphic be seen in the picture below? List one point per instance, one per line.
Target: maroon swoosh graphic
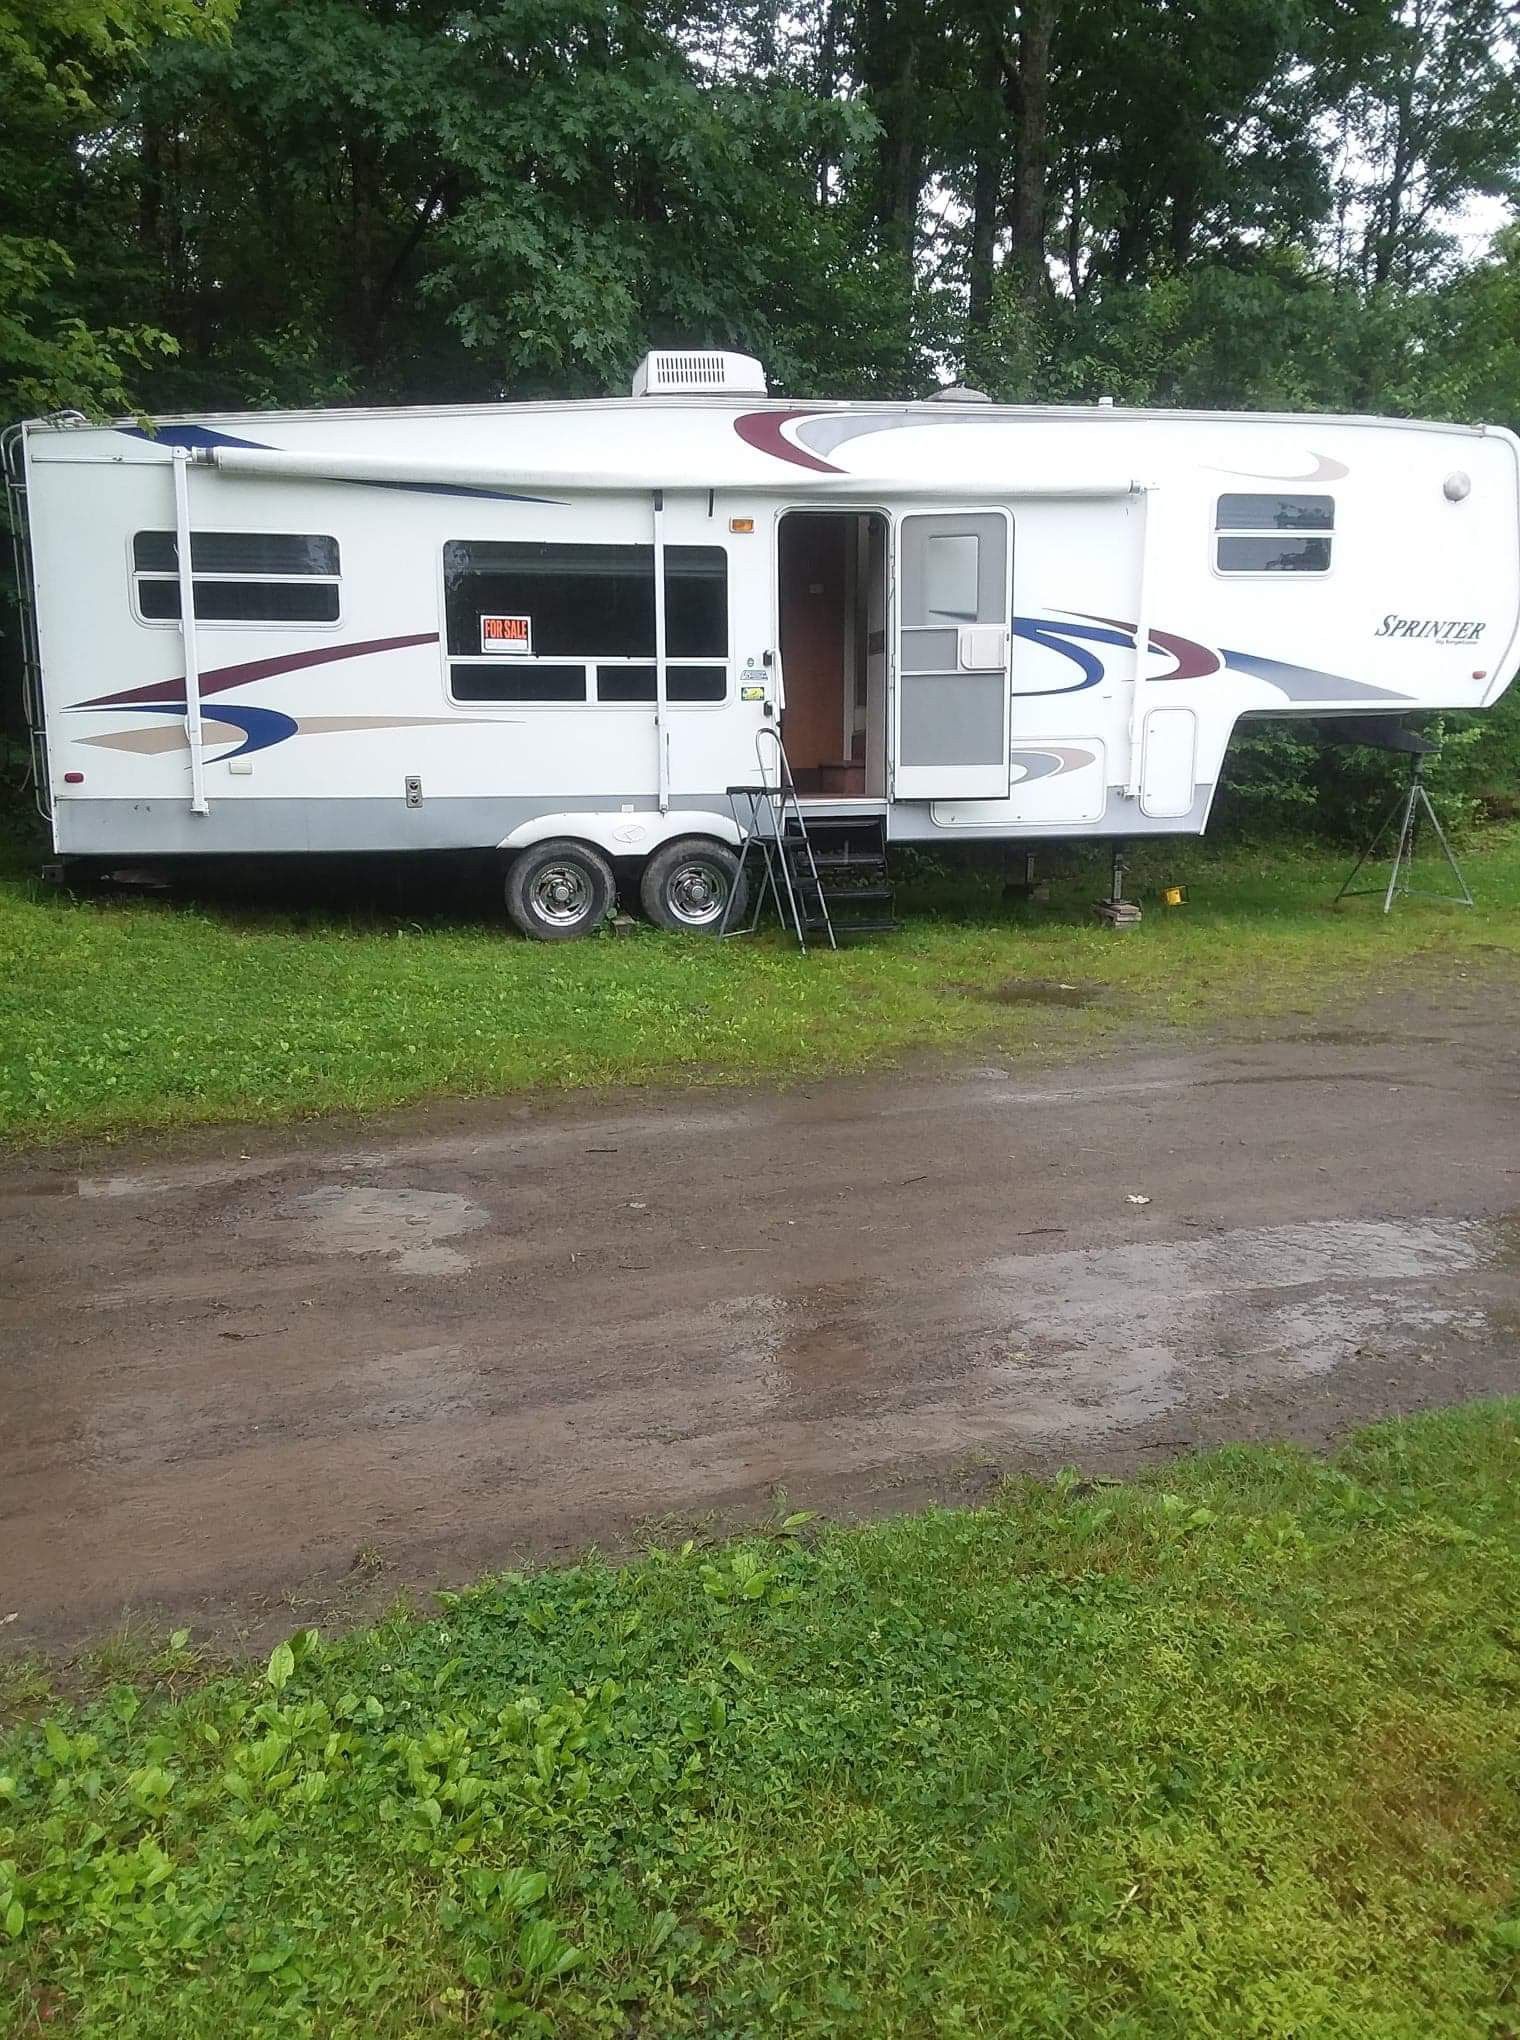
(217, 679)
(1194, 661)
(762, 430)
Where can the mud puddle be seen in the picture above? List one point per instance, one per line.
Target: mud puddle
(488, 1334)
(1055, 1343)
(411, 1228)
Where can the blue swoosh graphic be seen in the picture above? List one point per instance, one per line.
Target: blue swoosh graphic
(1056, 637)
(261, 727)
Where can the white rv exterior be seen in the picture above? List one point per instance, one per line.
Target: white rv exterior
(444, 628)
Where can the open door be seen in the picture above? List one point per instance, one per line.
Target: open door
(954, 638)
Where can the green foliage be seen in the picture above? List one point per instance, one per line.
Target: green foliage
(52, 360)
(518, 199)
(110, 1007)
(1228, 1750)
(62, 63)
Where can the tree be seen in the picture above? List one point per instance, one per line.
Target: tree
(61, 62)
(415, 202)
(1433, 120)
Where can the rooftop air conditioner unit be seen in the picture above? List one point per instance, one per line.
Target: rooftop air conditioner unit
(669, 372)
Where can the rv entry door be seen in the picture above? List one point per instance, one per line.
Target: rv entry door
(954, 633)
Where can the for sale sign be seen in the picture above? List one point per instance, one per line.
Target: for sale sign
(506, 634)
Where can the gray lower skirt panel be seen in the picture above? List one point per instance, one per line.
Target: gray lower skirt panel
(257, 827)
(271, 827)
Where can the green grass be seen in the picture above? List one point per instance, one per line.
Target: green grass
(1232, 1750)
(122, 1013)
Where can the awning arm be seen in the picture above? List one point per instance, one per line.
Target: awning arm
(182, 544)
(1142, 644)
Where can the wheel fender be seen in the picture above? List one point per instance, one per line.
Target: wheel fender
(625, 835)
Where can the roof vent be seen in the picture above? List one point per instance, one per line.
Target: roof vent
(671, 373)
(958, 393)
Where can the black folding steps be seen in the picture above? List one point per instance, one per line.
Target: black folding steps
(845, 885)
(826, 876)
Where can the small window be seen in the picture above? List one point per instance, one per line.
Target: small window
(952, 576)
(696, 603)
(528, 680)
(1273, 534)
(625, 683)
(240, 576)
(546, 611)
(682, 683)
(696, 683)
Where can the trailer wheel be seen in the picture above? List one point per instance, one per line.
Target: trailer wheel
(686, 886)
(558, 890)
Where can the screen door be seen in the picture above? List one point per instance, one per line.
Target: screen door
(954, 583)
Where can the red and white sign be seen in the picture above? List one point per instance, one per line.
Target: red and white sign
(506, 634)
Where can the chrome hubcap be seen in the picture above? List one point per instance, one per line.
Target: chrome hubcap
(561, 893)
(697, 892)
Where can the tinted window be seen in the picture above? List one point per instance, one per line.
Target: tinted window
(696, 602)
(696, 683)
(582, 601)
(525, 680)
(1275, 513)
(1267, 534)
(544, 600)
(243, 601)
(297, 576)
(237, 552)
(625, 683)
(1274, 555)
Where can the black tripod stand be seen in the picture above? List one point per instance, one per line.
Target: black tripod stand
(1406, 811)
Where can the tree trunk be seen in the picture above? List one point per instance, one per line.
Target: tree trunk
(889, 72)
(986, 194)
(1026, 72)
(826, 83)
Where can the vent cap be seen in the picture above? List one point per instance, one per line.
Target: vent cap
(680, 372)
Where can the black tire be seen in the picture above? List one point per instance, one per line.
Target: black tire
(559, 890)
(685, 886)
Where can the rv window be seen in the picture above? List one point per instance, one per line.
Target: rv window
(527, 601)
(1273, 534)
(523, 680)
(682, 683)
(696, 683)
(237, 552)
(1274, 555)
(581, 601)
(240, 576)
(625, 683)
(696, 603)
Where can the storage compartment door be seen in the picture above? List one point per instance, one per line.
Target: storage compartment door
(954, 587)
(1167, 769)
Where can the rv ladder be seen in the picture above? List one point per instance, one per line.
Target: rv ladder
(827, 876)
(776, 845)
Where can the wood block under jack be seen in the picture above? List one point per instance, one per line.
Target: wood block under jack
(1119, 913)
